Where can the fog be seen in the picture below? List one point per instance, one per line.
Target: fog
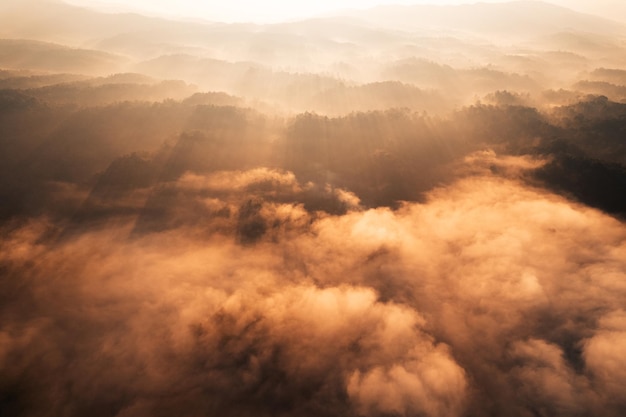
(395, 211)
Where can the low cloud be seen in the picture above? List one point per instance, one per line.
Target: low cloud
(489, 298)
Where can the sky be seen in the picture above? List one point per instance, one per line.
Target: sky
(279, 10)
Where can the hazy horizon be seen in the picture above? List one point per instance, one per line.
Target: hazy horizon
(279, 10)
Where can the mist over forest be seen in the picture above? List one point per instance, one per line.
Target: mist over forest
(391, 212)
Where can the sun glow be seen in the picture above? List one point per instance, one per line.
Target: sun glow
(245, 10)
(281, 10)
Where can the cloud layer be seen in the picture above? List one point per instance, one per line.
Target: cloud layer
(489, 298)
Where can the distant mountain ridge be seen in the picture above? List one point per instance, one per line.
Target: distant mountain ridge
(516, 18)
(46, 56)
(56, 21)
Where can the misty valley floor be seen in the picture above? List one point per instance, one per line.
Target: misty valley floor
(387, 212)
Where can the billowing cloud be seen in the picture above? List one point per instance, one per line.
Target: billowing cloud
(491, 297)
(603, 352)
